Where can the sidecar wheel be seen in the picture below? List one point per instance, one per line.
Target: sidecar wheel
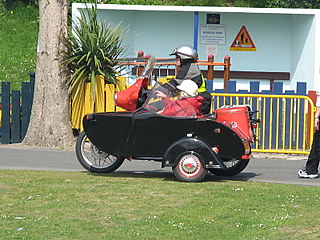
(189, 168)
(93, 159)
(234, 166)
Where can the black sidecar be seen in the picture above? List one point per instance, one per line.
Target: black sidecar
(192, 145)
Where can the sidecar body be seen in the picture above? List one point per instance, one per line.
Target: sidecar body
(191, 145)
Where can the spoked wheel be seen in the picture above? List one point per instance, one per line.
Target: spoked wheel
(234, 166)
(93, 159)
(189, 168)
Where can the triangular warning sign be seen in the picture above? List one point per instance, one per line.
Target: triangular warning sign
(243, 41)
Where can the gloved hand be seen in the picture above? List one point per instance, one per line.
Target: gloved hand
(161, 94)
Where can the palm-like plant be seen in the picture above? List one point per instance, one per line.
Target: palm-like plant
(92, 49)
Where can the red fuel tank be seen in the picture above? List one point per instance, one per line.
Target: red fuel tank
(237, 118)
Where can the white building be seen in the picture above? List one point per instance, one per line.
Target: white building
(278, 41)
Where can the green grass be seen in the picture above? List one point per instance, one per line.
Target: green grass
(18, 43)
(74, 205)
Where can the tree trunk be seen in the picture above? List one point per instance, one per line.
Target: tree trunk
(50, 123)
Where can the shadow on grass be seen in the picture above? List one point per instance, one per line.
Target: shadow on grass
(169, 176)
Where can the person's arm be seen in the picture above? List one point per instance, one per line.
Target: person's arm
(161, 94)
(317, 114)
(170, 87)
(198, 80)
(164, 97)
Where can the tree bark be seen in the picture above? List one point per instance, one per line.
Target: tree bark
(50, 123)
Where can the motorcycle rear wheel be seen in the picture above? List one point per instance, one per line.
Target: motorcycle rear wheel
(234, 166)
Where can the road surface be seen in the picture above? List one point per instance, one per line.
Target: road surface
(279, 168)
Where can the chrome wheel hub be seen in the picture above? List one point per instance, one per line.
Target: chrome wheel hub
(95, 157)
(190, 163)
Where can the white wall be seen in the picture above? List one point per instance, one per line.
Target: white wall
(302, 49)
(285, 38)
(156, 33)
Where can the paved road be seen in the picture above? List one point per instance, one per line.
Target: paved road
(282, 169)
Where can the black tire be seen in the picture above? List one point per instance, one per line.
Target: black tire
(234, 166)
(189, 168)
(93, 159)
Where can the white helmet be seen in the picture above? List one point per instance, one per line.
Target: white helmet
(185, 52)
(190, 87)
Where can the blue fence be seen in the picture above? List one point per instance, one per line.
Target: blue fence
(15, 111)
(254, 88)
(279, 115)
(16, 105)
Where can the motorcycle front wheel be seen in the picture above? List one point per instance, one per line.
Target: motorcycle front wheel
(93, 159)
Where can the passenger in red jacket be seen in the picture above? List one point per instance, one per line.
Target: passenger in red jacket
(187, 105)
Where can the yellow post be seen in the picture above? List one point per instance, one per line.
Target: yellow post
(121, 85)
(109, 90)
(81, 105)
(88, 102)
(100, 94)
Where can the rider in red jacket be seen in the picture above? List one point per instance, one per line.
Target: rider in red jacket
(188, 104)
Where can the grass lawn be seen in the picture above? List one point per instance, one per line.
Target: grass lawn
(18, 43)
(75, 205)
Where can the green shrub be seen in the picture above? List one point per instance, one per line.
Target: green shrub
(92, 49)
(9, 4)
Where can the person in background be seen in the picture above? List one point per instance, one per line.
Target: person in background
(187, 105)
(311, 168)
(186, 57)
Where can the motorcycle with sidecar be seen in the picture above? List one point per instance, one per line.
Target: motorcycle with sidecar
(219, 143)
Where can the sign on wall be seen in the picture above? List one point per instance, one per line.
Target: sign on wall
(213, 34)
(213, 18)
(212, 50)
(243, 41)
